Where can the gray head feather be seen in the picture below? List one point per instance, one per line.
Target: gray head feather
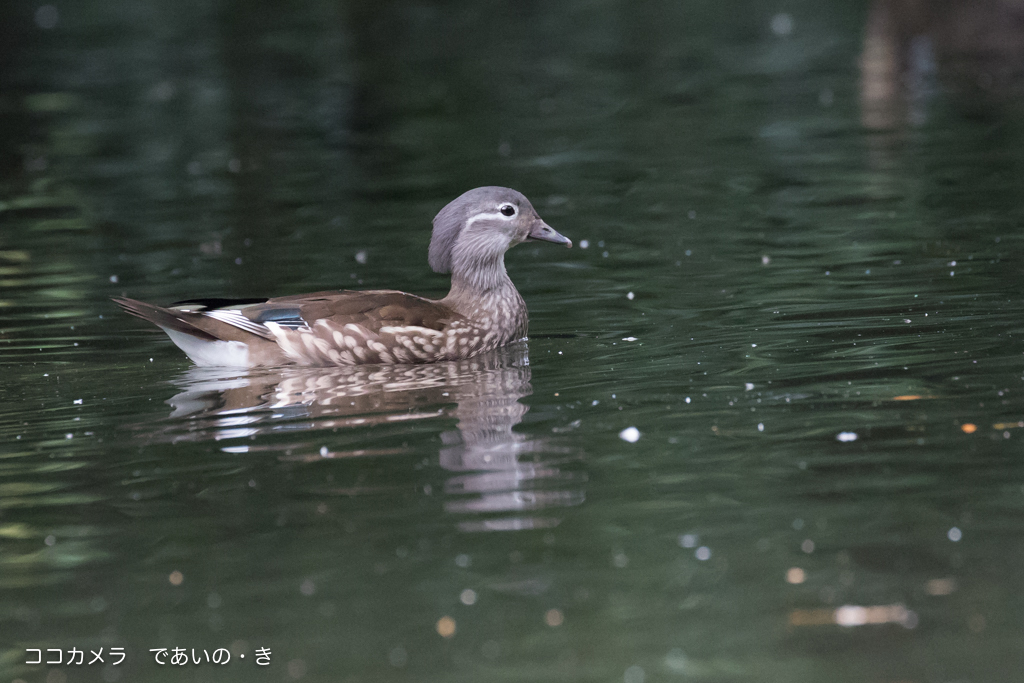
(450, 220)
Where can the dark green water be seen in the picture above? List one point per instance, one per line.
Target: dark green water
(801, 287)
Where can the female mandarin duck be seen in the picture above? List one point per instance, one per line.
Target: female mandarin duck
(483, 310)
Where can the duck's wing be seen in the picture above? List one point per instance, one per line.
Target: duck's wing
(371, 310)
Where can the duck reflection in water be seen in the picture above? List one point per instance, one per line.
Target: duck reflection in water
(499, 475)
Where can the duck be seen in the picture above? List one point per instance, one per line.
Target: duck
(483, 310)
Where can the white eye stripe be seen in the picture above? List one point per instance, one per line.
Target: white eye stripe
(483, 216)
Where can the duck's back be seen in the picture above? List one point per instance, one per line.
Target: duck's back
(371, 310)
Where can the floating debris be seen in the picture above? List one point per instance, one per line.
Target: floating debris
(943, 586)
(854, 615)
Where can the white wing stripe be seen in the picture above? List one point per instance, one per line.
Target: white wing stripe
(236, 319)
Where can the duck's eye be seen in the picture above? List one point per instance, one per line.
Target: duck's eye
(507, 210)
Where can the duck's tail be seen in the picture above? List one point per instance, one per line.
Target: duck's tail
(179, 321)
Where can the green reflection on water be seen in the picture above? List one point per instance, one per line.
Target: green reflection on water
(799, 223)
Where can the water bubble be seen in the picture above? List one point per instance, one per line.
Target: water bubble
(296, 669)
(782, 24)
(630, 434)
(398, 657)
(634, 674)
(47, 17)
(445, 627)
(491, 649)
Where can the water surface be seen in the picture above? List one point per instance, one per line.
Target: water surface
(796, 279)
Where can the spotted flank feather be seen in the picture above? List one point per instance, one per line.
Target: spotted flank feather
(329, 343)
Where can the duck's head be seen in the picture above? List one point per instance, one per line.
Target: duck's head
(478, 227)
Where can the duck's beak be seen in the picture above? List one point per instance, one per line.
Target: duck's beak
(545, 233)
